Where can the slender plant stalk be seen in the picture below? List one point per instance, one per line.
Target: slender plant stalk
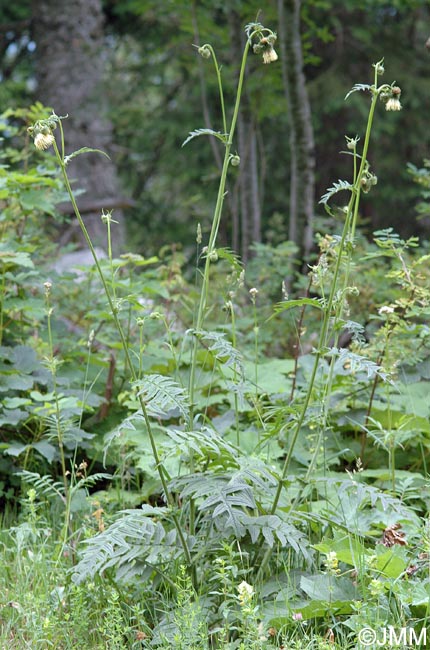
(52, 362)
(163, 475)
(204, 291)
(347, 233)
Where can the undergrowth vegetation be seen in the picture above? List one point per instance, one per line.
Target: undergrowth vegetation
(197, 459)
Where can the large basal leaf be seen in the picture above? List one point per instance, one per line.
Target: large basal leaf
(134, 537)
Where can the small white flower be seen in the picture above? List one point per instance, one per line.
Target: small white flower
(43, 141)
(393, 104)
(246, 592)
(385, 309)
(269, 55)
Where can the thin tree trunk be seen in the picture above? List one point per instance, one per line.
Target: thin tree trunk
(218, 156)
(302, 192)
(248, 183)
(254, 187)
(70, 66)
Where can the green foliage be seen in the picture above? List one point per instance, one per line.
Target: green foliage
(246, 496)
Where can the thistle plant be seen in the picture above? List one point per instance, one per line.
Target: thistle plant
(334, 305)
(45, 129)
(261, 40)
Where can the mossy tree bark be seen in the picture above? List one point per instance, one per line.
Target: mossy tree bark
(302, 147)
(71, 63)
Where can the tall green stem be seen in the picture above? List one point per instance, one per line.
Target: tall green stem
(163, 475)
(347, 233)
(215, 227)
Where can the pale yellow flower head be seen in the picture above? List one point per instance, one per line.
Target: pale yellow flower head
(43, 141)
(246, 593)
(393, 104)
(269, 55)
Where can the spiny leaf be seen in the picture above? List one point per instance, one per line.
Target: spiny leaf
(351, 362)
(206, 445)
(338, 186)
(135, 536)
(271, 527)
(43, 484)
(357, 88)
(162, 395)
(227, 504)
(67, 159)
(197, 132)
(221, 348)
(291, 304)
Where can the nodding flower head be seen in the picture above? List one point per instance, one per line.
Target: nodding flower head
(391, 97)
(42, 132)
(205, 51)
(265, 47)
(43, 141)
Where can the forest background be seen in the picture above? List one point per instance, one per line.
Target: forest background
(134, 63)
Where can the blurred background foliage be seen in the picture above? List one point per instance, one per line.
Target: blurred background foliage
(158, 89)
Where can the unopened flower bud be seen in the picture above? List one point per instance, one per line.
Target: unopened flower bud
(253, 293)
(379, 67)
(235, 161)
(351, 143)
(205, 51)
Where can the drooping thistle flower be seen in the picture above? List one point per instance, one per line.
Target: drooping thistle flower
(43, 141)
(42, 132)
(265, 47)
(391, 97)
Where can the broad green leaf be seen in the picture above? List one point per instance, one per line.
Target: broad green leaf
(328, 588)
(391, 562)
(15, 449)
(35, 199)
(45, 449)
(348, 549)
(18, 258)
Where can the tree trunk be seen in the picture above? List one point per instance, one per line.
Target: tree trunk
(70, 66)
(302, 177)
(247, 223)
